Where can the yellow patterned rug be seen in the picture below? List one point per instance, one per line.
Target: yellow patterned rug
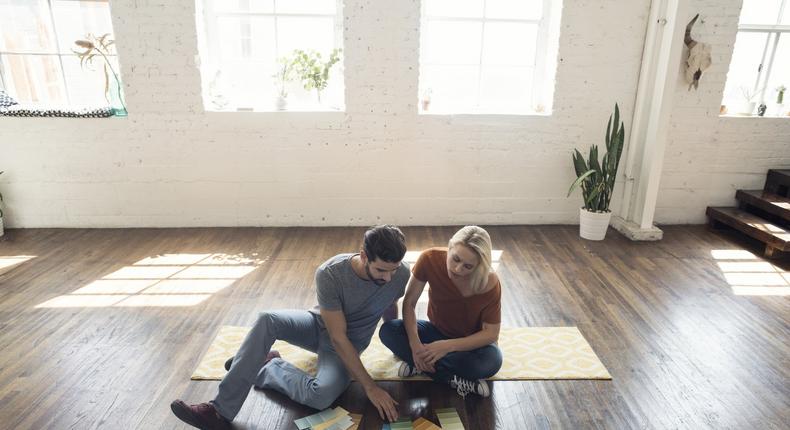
(530, 353)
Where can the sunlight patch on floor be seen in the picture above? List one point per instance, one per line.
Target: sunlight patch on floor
(168, 280)
(749, 275)
(8, 262)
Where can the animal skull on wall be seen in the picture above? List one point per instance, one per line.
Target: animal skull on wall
(699, 57)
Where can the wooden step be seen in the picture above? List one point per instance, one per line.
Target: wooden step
(769, 202)
(778, 182)
(775, 238)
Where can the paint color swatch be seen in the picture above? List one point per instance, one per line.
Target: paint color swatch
(355, 419)
(404, 424)
(449, 419)
(324, 419)
(423, 424)
(342, 424)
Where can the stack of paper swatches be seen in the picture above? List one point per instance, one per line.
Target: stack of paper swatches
(423, 424)
(405, 424)
(330, 419)
(449, 419)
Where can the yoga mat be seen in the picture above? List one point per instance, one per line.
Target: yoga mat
(530, 353)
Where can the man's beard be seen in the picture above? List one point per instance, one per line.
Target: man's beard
(378, 282)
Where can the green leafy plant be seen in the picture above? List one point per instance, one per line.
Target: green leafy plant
(597, 179)
(99, 46)
(312, 70)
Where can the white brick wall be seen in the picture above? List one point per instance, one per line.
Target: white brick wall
(172, 164)
(709, 157)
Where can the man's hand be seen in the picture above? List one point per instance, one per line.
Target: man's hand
(417, 351)
(383, 402)
(434, 351)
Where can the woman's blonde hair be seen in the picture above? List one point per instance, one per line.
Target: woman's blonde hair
(478, 240)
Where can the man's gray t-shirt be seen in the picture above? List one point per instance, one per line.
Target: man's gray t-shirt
(363, 302)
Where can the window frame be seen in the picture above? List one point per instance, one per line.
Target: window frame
(538, 92)
(58, 53)
(210, 40)
(773, 33)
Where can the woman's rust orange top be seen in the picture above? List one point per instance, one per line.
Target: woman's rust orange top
(452, 313)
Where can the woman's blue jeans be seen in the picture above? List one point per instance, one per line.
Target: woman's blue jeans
(472, 365)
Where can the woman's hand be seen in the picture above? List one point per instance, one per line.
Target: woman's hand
(417, 351)
(434, 351)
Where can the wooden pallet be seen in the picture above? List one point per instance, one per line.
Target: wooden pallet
(754, 206)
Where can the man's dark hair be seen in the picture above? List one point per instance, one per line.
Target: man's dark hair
(385, 242)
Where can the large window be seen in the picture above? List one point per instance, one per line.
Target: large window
(37, 64)
(488, 56)
(760, 65)
(244, 42)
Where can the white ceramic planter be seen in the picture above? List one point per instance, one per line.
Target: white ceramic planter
(593, 225)
(280, 103)
(746, 108)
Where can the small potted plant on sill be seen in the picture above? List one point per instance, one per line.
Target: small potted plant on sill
(425, 100)
(780, 99)
(748, 103)
(313, 71)
(285, 73)
(100, 46)
(597, 180)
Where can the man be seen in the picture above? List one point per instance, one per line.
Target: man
(353, 291)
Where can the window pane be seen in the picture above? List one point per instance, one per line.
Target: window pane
(504, 89)
(245, 37)
(452, 88)
(25, 26)
(786, 15)
(760, 12)
(742, 75)
(245, 49)
(506, 43)
(34, 78)
(75, 19)
(236, 6)
(454, 8)
(86, 84)
(780, 70)
(448, 42)
(247, 83)
(514, 9)
(317, 34)
(307, 6)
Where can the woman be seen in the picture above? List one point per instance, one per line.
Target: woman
(458, 345)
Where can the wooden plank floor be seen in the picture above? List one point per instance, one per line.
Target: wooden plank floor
(684, 350)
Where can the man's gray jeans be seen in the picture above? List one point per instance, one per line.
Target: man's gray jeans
(297, 327)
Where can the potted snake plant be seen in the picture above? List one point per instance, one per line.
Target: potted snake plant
(597, 180)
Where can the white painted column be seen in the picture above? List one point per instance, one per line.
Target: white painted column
(648, 137)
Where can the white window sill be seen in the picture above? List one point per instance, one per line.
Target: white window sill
(307, 109)
(481, 114)
(738, 115)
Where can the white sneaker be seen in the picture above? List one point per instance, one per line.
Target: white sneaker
(405, 371)
(464, 386)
